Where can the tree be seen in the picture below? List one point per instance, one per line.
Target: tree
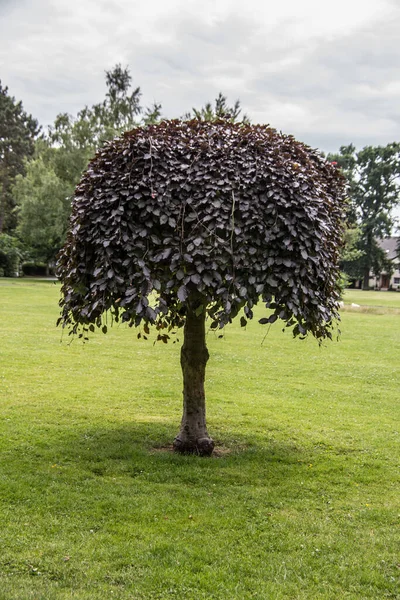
(220, 110)
(72, 141)
(351, 256)
(10, 255)
(84, 134)
(44, 194)
(373, 176)
(181, 222)
(43, 210)
(18, 131)
(152, 114)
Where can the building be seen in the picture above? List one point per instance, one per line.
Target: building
(385, 280)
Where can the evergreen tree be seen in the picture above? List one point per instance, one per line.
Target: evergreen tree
(18, 131)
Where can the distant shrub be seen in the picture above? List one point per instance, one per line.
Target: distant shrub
(36, 269)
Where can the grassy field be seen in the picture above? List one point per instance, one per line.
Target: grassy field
(301, 502)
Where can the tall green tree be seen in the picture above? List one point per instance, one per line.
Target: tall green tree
(18, 132)
(10, 255)
(44, 193)
(84, 134)
(44, 206)
(373, 178)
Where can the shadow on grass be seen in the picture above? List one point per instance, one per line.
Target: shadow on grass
(144, 449)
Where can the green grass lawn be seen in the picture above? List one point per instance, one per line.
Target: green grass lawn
(301, 502)
(372, 299)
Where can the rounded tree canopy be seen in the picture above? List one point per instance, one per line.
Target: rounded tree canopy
(229, 214)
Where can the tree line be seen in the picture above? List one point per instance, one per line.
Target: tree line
(39, 171)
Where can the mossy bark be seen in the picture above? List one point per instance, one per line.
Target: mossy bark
(193, 437)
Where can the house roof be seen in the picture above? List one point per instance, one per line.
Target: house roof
(389, 245)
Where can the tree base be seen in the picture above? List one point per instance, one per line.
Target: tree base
(202, 447)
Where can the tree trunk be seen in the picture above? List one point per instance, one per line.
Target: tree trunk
(2, 202)
(193, 437)
(365, 284)
(368, 255)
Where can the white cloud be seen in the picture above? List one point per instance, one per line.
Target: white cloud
(326, 73)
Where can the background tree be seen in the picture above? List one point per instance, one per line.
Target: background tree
(84, 134)
(373, 177)
(45, 192)
(351, 255)
(183, 221)
(43, 210)
(10, 255)
(72, 141)
(220, 110)
(18, 130)
(152, 114)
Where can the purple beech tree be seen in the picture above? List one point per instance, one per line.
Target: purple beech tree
(182, 222)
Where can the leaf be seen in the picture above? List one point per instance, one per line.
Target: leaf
(304, 254)
(104, 329)
(165, 254)
(272, 281)
(263, 321)
(151, 314)
(182, 293)
(243, 322)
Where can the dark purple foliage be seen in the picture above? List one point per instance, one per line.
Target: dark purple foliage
(232, 213)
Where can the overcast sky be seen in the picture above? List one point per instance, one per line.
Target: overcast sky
(326, 72)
